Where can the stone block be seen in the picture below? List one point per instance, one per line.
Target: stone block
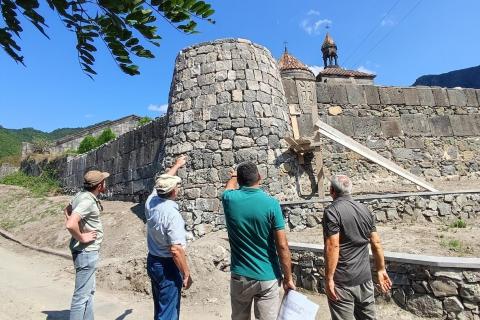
(425, 306)
(425, 96)
(391, 127)
(305, 125)
(415, 125)
(342, 123)
(441, 97)
(391, 95)
(457, 97)
(338, 94)
(366, 126)
(323, 96)
(470, 292)
(478, 95)
(290, 90)
(471, 97)
(441, 126)
(355, 94)
(444, 288)
(472, 276)
(414, 143)
(468, 125)
(371, 94)
(452, 304)
(403, 153)
(411, 96)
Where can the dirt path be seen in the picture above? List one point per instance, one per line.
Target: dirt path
(39, 286)
(36, 286)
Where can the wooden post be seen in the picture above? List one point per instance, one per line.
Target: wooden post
(293, 117)
(320, 173)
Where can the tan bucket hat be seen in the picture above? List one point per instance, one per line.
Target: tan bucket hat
(165, 183)
(94, 177)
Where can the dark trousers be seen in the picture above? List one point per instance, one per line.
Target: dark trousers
(166, 287)
(355, 303)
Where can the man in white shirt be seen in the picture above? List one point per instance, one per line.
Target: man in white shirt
(166, 239)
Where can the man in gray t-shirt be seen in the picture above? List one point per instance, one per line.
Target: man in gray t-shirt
(348, 228)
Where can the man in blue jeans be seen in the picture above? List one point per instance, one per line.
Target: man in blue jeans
(166, 239)
(83, 223)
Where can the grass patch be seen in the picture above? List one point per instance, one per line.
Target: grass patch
(452, 245)
(38, 186)
(459, 223)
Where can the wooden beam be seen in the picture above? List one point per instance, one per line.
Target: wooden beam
(293, 118)
(355, 146)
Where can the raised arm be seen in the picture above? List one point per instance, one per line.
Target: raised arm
(180, 162)
(232, 182)
(382, 276)
(332, 252)
(283, 251)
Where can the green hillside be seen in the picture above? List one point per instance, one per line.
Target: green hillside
(11, 140)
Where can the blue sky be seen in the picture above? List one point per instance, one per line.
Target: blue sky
(399, 40)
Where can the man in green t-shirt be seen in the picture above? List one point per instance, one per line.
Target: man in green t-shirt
(83, 223)
(257, 239)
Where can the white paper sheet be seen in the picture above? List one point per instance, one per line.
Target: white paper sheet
(296, 306)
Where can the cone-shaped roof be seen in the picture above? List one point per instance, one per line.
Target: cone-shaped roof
(289, 62)
(328, 41)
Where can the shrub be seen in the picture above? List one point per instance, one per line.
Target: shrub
(105, 136)
(41, 145)
(39, 186)
(460, 223)
(144, 120)
(88, 143)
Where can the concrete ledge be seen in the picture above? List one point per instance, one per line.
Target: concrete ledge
(384, 196)
(434, 261)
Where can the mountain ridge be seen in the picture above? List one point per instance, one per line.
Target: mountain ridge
(465, 78)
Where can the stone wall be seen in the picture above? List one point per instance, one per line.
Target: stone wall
(407, 207)
(6, 169)
(132, 159)
(432, 132)
(447, 288)
(71, 142)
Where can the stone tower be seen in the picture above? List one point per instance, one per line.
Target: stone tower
(227, 105)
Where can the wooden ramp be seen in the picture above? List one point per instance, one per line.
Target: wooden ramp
(355, 146)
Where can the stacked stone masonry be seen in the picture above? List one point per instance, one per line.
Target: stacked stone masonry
(408, 208)
(427, 291)
(227, 105)
(132, 159)
(432, 132)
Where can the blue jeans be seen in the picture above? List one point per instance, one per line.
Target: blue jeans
(166, 287)
(85, 263)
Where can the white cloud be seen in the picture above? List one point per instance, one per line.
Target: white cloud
(89, 115)
(313, 13)
(387, 23)
(314, 26)
(315, 69)
(363, 69)
(158, 108)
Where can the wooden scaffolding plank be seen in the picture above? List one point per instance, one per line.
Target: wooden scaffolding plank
(355, 146)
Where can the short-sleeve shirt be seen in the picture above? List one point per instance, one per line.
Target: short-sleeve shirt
(354, 222)
(252, 217)
(165, 225)
(88, 207)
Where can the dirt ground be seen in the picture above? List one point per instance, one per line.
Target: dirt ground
(121, 273)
